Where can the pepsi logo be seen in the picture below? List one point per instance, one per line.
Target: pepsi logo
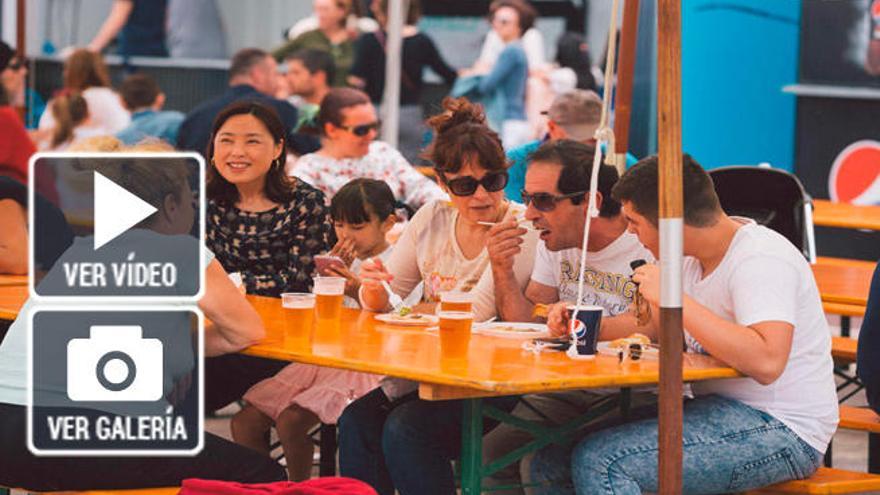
(578, 329)
(855, 175)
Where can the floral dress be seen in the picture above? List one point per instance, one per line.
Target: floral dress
(274, 249)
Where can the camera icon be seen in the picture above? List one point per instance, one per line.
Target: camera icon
(114, 364)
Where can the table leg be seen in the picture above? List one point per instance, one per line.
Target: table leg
(472, 447)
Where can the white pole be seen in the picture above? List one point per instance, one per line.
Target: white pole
(393, 54)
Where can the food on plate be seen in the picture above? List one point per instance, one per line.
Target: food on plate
(511, 328)
(624, 343)
(405, 311)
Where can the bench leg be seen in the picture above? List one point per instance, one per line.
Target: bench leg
(873, 453)
(827, 462)
(327, 465)
(472, 447)
(844, 326)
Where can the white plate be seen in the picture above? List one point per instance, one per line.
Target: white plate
(605, 349)
(408, 321)
(513, 330)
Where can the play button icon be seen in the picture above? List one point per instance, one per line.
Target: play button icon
(137, 222)
(116, 210)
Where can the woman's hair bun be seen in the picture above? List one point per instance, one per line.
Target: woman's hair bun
(456, 112)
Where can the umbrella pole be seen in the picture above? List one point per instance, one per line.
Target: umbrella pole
(671, 243)
(623, 94)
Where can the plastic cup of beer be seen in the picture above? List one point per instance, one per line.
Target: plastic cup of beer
(456, 301)
(328, 297)
(300, 315)
(455, 333)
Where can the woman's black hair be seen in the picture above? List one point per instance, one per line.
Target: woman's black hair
(354, 202)
(279, 187)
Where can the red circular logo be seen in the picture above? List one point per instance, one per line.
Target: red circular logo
(855, 175)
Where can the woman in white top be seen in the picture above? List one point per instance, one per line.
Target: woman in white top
(348, 126)
(444, 246)
(85, 73)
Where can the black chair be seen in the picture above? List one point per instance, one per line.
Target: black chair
(773, 198)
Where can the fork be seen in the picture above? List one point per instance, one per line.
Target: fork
(393, 299)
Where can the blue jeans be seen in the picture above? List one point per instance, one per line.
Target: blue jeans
(728, 447)
(407, 444)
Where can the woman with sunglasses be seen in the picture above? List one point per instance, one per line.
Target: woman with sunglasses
(348, 126)
(390, 438)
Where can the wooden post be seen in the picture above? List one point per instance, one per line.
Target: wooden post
(20, 28)
(623, 94)
(670, 223)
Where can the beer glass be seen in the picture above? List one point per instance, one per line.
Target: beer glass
(300, 313)
(456, 301)
(455, 333)
(328, 297)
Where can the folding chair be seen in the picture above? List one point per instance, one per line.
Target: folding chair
(773, 198)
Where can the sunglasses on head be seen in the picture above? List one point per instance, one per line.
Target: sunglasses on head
(361, 130)
(466, 186)
(545, 201)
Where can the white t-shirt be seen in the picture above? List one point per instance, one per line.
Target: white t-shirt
(763, 277)
(607, 280)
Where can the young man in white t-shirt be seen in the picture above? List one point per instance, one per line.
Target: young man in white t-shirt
(556, 195)
(750, 301)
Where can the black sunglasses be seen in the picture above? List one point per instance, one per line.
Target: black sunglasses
(466, 186)
(17, 63)
(361, 130)
(545, 201)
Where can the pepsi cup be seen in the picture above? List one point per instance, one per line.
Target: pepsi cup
(584, 327)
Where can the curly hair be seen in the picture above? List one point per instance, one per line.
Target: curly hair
(462, 135)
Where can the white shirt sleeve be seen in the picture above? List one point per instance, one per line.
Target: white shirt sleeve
(546, 270)
(764, 288)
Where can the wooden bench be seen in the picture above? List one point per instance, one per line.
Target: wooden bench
(826, 481)
(864, 419)
(844, 349)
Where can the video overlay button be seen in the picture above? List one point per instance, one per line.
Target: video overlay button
(137, 220)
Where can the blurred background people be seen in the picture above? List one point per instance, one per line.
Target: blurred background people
(86, 73)
(195, 30)
(331, 35)
(308, 76)
(418, 52)
(144, 99)
(138, 26)
(13, 77)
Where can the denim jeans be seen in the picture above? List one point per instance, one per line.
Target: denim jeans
(407, 444)
(728, 447)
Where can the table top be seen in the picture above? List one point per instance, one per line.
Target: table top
(494, 365)
(843, 281)
(7, 280)
(844, 215)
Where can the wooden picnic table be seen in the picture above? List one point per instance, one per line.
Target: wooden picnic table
(494, 366)
(843, 281)
(8, 280)
(12, 298)
(844, 215)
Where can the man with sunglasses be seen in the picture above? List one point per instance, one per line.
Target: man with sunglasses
(556, 195)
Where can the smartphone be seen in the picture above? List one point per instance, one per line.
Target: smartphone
(325, 262)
